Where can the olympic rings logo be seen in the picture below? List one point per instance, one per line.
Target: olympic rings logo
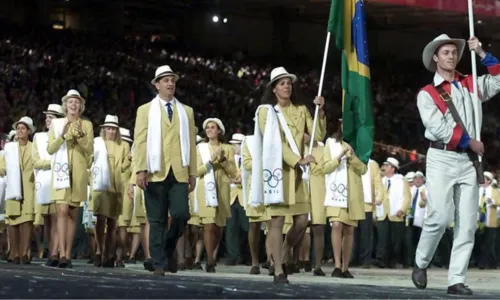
(211, 186)
(38, 185)
(339, 189)
(95, 171)
(273, 178)
(61, 169)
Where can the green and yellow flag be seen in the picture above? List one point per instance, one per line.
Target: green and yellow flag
(347, 23)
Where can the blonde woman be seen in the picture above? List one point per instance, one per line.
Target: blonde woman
(110, 157)
(344, 198)
(216, 167)
(71, 141)
(17, 165)
(46, 213)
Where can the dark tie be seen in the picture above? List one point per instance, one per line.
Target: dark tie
(388, 184)
(414, 202)
(170, 111)
(239, 162)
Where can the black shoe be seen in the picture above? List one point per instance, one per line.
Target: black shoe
(255, 270)
(318, 272)
(347, 274)
(280, 279)
(337, 273)
(148, 265)
(210, 268)
(459, 289)
(419, 278)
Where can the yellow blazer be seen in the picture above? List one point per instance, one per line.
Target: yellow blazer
(26, 206)
(80, 152)
(377, 187)
(317, 187)
(170, 141)
(38, 163)
(405, 206)
(300, 121)
(355, 169)
(237, 190)
(223, 172)
(117, 160)
(491, 218)
(246, 161)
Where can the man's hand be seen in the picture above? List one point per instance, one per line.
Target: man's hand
(192, 183)
(423, 196)
(130, 192)
(142, 179)
(400, 213)
(476, 46)
(236, 180)
(476, 146)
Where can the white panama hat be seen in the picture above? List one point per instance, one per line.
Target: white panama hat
(280, 72)
(72, 94)
(125, 134)
(216, 121)
(392, 161)
(237, 138)
(163, 71)
(54, 109)
(431, 48)
(110, 121)
(26, 121)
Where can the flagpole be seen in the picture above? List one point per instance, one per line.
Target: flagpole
(475, 100)
(320, 88)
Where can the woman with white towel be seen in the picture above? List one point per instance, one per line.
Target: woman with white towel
(71, 141)
(45, 209)
(344, 198)
(110, 157)
(17, 165)
(216, 166)
(280, 127)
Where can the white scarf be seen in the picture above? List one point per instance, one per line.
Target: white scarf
(267, 163)
(43, 178)
(396, 191)
(154, 139)
(245, 174)
(337, 187)
(367, 184)
(291, 140)
(60, 162)
(210, 186)
(3, 186)
(88, 218)
(14, 189)
(100, 167)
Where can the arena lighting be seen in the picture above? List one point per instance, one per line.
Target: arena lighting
(215, 19)
(225, 20)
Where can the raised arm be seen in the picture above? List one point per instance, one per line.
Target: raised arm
(358, 166)
(330, 163)
(53, 143)
(87, 140)
(229, 165)
(489, 85)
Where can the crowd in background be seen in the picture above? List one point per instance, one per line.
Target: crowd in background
(38, 66)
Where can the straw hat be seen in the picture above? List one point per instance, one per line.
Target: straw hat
(163, 71)
(110, 121)
(489, 175)
(432, 47)
(26, 121)
(280, 72)
(237, 138)
(392, 161)
(125, 134)
(216, 121)
(54, 109)
(72, 94)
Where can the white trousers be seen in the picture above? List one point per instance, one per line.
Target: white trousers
(452, 195)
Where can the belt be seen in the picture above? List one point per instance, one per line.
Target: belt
(443, 146)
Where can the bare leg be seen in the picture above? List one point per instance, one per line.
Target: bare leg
(319, 244)
(347, 241)
(253, 241)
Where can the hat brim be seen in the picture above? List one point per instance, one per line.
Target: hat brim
(388, 163)
(235, 142)
(164, 74)
(126, 138)
(218, 122)
(292, 77)
(431, 48)
(52, 112)
(31, 127)
(65, 98)
(110, 125)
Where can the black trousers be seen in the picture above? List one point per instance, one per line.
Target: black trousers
(363, 241)
(390, 241)
(161, 198)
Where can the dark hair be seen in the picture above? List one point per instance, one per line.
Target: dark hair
(220, 137)
(337, 130)
(296, 98)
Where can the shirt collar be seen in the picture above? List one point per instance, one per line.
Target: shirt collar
(164, 102)
(438, 79)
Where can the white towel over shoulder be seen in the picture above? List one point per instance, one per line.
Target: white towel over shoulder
(43, 178)
(337, 187)
(13, 172)
(154, 138)
(60, 162)
(209, 187)
(267, 164)
(100, 167)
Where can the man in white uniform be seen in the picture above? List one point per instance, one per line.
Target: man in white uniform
(451, 177)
